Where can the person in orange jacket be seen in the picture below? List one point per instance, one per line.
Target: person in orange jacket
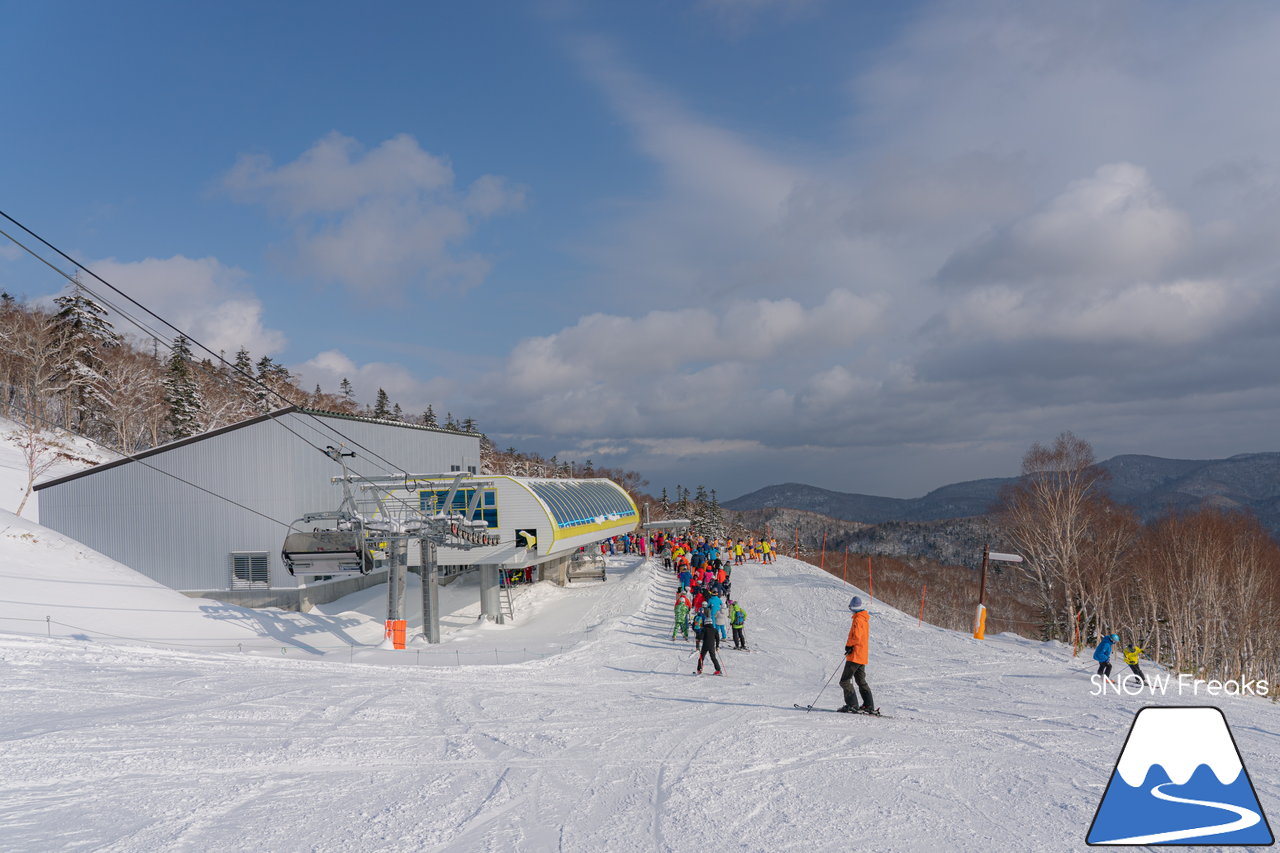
(855, 662)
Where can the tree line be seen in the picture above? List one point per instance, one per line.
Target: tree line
(1199, 589)
(67, 368)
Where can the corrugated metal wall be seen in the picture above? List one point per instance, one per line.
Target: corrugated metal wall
(183, 537)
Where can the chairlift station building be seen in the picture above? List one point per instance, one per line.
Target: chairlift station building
(207, 515)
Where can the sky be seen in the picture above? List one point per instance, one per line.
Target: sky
(875, 248)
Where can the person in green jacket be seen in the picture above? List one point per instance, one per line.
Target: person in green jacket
(737, 618)
(682, 616)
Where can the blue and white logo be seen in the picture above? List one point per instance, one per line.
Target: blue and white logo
(1180, 780)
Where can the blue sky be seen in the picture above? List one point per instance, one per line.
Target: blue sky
(873, 247)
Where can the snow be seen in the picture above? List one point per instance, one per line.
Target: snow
(578, 727)
(13, 468)
(136, 719)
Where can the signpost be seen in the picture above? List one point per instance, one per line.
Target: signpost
(980, 616)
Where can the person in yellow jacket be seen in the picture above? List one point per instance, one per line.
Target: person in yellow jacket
(1132, 654)
(855, 662)
(766, 550)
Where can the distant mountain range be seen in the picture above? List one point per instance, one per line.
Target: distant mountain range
(1149, 484)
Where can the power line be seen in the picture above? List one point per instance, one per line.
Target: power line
(135, 458)
(391, 467)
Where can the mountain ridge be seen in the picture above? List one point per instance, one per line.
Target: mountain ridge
(1151, 485)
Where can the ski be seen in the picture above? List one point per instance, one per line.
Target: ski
(875, 713)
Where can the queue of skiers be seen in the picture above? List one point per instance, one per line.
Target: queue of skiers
(704, 572)
(704, 575)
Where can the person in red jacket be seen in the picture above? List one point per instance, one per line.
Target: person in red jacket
(855, 661)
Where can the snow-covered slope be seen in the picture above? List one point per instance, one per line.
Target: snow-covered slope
(79, 454)
(597, 738)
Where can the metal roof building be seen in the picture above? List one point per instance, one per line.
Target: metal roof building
(219, 533)
(536, 520)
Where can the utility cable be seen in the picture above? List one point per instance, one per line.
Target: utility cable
(391, 467)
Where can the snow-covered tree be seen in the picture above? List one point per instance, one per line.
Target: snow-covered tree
(429, 417)
(182, 391)
(382, 405)
(87, 332)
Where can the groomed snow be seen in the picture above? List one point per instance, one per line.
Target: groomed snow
(597, 738)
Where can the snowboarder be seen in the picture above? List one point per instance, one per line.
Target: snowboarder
(707, 639)
(737, 618)
(855, 661)
(1102, 654)
(1132, 654)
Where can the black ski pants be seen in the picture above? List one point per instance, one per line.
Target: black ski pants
(856, 673)
(739, 641)
(1104, 669)
(708, 649)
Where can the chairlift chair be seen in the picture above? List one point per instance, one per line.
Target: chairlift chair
(340, 549)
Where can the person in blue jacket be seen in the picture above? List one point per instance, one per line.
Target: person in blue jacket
(1102, 654)
(686, 578)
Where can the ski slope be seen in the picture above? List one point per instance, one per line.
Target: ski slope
(579, 727)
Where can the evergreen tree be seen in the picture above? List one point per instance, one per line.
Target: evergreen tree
(397, 414)
(449, 422)
(182, 392)
(429, 417)
(86, 331)
(468, 425)
(348, 393)
(382, 405)
(665, 504)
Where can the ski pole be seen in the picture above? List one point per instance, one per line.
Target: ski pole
(809, 707)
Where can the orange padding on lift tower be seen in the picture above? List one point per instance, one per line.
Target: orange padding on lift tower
(396, 631)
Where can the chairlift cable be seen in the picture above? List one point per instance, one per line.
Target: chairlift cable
(391, 468)
(136, 458)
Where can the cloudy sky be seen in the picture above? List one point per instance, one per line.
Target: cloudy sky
(873, 247)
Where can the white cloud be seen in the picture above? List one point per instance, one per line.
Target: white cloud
(376, 220)
(1112, 226)
(328, 368)
(208, 300)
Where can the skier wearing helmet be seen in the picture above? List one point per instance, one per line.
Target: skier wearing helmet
(855, 662)
(1102, 655)
(708, 639)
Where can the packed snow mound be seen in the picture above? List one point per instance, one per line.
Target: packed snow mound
(75, 454)
(54, 585)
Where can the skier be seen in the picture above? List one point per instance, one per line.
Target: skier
(737, 618)
(855, 661)
(1102, 654)
(1132, 654)
(707, 639)
(721, 618)
(686, 578)
(682, 615)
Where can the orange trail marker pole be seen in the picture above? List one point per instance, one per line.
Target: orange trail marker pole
(871, 583)
(923, 590)
(822, 561)
(845, 570)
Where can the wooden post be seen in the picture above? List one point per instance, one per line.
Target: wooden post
(871, 582)
(797, 541)
(822, 560)
(845, 570)
(980, 613)
(923, 590)
(982, 587)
